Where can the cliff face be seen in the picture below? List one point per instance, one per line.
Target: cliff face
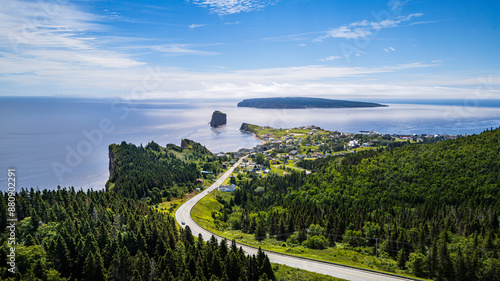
(218, 119)
(244, 127)
(111, 162)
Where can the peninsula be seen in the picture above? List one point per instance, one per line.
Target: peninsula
(303, 102)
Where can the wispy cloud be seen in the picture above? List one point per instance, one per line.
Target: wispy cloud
(396, 5)
(52, 34)
(364, 28)
(181, 49)
(193, 26)
(330, 58)
(430, 21)
(227, 7)
(389, 49)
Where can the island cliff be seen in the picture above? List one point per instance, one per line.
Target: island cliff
(218, 119)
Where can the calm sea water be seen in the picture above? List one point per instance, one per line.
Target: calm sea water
(51, 141)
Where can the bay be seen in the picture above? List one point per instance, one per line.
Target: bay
(62, 141)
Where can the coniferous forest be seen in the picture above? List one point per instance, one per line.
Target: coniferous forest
(116, 234)
(433, 208)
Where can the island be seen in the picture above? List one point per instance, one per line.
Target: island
(218, 119)
(303, 102)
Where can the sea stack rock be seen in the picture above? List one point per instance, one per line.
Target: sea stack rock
(218, 119)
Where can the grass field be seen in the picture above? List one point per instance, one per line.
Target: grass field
(285, 273)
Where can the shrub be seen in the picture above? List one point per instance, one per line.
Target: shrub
(318, 242)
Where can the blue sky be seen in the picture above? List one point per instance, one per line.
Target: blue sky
(234, 49)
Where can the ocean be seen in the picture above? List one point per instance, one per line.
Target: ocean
(64, 142)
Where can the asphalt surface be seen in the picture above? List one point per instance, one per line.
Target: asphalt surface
(183, 217)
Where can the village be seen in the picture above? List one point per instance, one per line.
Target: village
(282, 149)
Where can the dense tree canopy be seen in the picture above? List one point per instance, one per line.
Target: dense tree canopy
(66, 234)
(434, 208)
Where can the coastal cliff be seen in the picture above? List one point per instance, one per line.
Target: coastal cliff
(111, 162)
(245, 128)
(218, 119)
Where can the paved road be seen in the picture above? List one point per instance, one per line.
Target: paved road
(183, 214)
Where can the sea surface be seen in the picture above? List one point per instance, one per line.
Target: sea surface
(64, 142)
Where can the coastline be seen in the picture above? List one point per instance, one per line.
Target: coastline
(262, 142)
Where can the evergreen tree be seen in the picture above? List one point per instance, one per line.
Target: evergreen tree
(260, 231)
(444, 267)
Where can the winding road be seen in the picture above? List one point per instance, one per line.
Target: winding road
(183, 217)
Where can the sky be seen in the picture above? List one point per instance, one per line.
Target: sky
(236, 49)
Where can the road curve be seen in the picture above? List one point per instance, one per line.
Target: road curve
(183, 214)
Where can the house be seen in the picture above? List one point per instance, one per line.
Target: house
(292, 153)
(353, 144)
(227, 188)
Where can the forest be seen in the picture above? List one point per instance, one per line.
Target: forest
(155, 172)
(116, 234)
(433, 208)
(303, 102)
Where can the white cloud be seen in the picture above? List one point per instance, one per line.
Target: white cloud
(227, 7)
(389, 49)
(364, 28)
(330, 58)
(181, 49)
(193, 26)
(430, 21)
(54, 35)
(396, 5)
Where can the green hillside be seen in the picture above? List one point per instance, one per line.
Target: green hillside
(433, 208)
(155, 172)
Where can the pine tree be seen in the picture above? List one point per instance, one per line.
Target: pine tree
(401, 258)
(62, 257)
(260, 231)
(93, 269)
(444, 268)
(267, 269)
(460, 267)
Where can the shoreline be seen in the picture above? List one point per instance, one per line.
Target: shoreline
(262, 142)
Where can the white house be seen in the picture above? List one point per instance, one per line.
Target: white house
(353, 144)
